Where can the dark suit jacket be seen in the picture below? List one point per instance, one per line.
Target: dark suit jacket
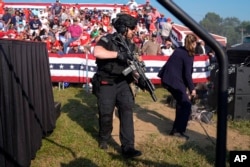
(178, 70)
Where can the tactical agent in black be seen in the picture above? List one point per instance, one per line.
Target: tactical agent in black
(113, 88)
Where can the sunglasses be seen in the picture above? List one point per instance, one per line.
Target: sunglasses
(132, 28)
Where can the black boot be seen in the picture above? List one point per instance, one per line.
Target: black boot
(131, 152)
(103, 145)
(172, 132)
(186, 137)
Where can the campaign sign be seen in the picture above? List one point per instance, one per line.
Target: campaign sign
(239, 158)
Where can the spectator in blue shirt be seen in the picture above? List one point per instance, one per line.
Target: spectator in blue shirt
(35, 26)
(6, 19)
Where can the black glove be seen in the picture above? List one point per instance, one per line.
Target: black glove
(141, 83)
(122, 56)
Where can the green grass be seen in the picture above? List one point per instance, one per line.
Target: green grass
(74, 140)
(242, 126)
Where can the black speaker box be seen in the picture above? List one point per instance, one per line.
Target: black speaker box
(239, 79)
(239, 54)
(238, 92)
(239, 108)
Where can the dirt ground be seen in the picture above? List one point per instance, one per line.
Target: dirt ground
(157, 118)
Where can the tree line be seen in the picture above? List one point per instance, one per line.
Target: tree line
(230, 27)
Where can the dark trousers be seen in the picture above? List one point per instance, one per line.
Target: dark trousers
(119, 95)
(183, 109)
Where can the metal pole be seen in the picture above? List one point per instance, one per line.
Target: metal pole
(87, 70)
(242, 34)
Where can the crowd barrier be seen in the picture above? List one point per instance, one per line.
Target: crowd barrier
(80, 68)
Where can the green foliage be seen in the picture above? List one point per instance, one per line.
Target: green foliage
(230, 27)
(212, 23)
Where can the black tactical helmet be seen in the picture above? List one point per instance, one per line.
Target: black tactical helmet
(124, 21)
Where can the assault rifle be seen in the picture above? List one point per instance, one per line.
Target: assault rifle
(136, 65)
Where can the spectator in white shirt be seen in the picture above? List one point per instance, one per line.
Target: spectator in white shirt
(45, 23)
(142, 28)
(132, 5)
(113, 14)
(64, 15)
(166, 29)
(40, 13)
(167, 48)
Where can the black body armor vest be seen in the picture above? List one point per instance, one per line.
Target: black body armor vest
(111, 69)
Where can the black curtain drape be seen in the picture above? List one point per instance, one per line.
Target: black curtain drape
(27, 112)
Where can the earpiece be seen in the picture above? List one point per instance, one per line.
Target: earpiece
(122, 29)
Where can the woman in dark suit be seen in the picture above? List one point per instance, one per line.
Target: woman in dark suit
(177, 79)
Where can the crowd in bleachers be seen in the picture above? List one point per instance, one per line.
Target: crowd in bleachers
(53, 25)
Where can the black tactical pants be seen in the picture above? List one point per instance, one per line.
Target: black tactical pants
(119, 95)
(183, 109)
